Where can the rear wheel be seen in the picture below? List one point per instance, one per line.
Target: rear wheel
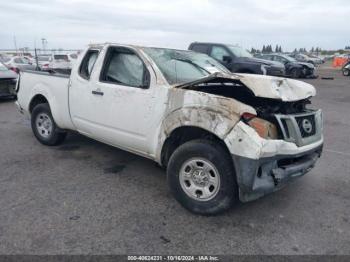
(201, 177)
(346, 72)
(44, 126)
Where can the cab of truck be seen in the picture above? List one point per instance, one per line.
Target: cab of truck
(238, 60)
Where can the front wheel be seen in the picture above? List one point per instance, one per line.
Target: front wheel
(295, 73)
(44, 126)
(201, 177)
(346, 72)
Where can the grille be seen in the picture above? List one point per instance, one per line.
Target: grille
(301, 129)
(307, 125)
(6, 86)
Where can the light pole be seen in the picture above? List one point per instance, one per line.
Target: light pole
(44, 43)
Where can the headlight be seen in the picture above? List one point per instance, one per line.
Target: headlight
(264, 128)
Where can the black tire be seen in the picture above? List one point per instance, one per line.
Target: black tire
(56, 135)
(295, 73)
(213, 152)
(346, 72)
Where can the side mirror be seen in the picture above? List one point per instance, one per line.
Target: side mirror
(227, 59)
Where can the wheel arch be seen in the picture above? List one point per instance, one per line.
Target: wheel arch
(183, 134)
(36, 100)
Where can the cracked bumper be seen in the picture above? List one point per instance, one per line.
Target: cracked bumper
(264, 166)
(258, 177)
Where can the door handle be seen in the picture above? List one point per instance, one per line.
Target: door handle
(94, 92)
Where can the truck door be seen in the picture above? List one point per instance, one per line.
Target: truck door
(80, 97)
(122, 101)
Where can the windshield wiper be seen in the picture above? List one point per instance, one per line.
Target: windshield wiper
(192, 63)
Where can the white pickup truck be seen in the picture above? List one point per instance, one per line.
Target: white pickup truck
(222, 137)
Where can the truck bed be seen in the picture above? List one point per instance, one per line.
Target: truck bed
(53, 86)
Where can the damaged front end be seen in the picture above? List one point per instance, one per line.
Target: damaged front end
(279, 143)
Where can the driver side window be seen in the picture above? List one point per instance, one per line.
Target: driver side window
(218, 53)
(124, 67)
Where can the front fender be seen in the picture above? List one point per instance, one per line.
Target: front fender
(215, 114)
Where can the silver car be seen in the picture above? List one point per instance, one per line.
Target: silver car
(18, 63)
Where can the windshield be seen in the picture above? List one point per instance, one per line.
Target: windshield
(180, 66)
(60, 57)
(43, 58)
(239, 51)
(3, 67)
(290, 59)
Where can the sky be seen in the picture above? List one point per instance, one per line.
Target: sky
(73, 24)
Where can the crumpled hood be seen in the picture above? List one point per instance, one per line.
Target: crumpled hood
(284, 89)
(306, 64)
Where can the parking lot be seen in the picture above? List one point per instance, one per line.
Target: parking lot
(84, 197)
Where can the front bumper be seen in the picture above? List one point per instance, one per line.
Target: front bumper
(7, 88)
(263, 166)
(309, 73)
(258, 177)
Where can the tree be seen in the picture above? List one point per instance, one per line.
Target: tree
(277, 49)
(263, 49)
(269, 49)
(312, 50)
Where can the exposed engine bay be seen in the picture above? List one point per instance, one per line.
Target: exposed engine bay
(266, 108)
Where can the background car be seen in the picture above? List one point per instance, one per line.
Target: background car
(294, 68)
(43, 62)
(318, 59)
(60, 63)
(18, 63)
(346, 69)
(306, 59)
(238, 60)
(8, 80)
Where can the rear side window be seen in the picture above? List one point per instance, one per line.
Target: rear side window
(200, 48)
(88, 63)
(123, 67)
